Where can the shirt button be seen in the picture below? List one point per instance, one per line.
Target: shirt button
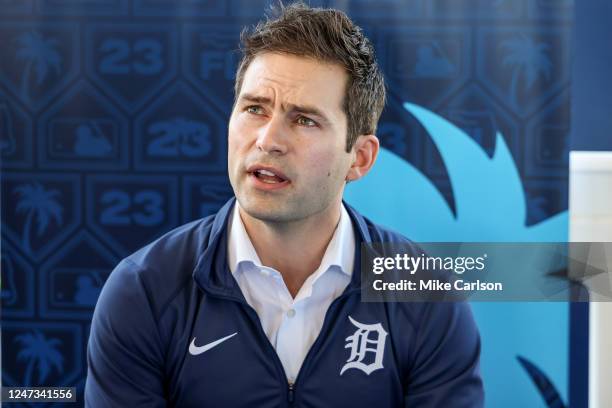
(290, 312)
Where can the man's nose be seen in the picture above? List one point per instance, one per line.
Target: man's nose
(272, 138)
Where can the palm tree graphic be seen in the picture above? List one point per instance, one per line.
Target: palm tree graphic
(490, 206)
(36, 201)
(527, 57)
(39, 53)
(40, 352)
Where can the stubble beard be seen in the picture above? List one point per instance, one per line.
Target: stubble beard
(271, 208)
(282, 209)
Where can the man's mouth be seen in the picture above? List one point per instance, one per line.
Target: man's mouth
(267, 175)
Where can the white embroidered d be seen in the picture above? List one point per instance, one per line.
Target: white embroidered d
(360, 342)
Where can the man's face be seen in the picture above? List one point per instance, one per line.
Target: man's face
(287, 138)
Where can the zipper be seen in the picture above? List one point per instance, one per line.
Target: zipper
(323, 332)
(253, 315)
(291, 396)
(291, 385)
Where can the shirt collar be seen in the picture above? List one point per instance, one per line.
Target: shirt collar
(340, 252)
(240, 248)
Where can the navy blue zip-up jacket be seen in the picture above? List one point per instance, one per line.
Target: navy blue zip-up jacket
(179, 287)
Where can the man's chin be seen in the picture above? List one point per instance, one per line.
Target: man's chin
(267, 216)
(266, 211)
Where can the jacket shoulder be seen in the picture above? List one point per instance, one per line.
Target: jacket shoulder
(127, 346)
(382, 234)
(166, 265)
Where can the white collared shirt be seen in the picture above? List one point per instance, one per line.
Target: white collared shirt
(291, 325)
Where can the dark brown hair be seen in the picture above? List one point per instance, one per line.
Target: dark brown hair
(330, 36)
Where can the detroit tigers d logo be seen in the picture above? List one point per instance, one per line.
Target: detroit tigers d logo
(368, 339)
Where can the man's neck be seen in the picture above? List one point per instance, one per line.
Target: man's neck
(294, 249)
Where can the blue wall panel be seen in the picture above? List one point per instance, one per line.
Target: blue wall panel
(113, 130)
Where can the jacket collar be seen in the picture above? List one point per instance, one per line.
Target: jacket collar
(212, 272)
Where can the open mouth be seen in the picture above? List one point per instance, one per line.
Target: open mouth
(268, 177)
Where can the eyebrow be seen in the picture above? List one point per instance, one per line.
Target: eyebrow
(306, 109)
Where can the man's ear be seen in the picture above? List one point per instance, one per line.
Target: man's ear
(365, 151)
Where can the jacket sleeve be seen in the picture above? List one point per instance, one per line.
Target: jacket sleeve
(124, 352)
(445, 372)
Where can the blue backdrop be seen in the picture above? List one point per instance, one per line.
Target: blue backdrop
(113, 130)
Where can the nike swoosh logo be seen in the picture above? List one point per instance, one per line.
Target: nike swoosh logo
(196, 350)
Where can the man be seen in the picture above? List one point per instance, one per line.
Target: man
(259, 305)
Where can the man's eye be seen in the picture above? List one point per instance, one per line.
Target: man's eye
(256, 110)
(304, 121)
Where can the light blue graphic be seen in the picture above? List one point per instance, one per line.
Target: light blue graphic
(490, 206)
(483, 188)
(40, 352)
